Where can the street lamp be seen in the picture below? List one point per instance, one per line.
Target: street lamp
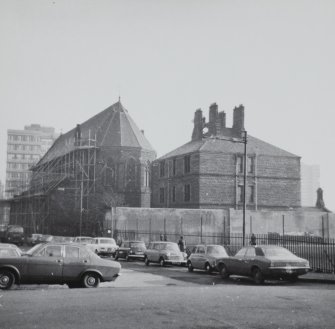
(244, 141)
(244, 183)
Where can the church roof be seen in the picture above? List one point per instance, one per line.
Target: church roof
(229, 146)
(112, 127)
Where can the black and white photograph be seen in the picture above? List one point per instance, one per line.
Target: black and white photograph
(167, 164)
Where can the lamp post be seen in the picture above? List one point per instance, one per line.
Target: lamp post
(244, 183)
(244, 141)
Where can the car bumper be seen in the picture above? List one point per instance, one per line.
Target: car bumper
(140, 256)
(175, 262)
(286, 271)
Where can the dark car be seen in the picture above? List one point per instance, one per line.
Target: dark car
(164, 253)
(205, 257)
(264, 262)
(58, 263)
(131, 250)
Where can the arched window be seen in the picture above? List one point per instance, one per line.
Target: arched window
(109, 173)
(131, 174)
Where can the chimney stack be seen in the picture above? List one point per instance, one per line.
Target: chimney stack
(198, 125)
(238, 120)
(213, 116)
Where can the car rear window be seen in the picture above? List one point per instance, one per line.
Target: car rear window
(277, 251)
(217, 251)
(107, 241)
(8, 252)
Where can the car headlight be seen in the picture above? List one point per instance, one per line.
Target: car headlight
(168, 255)
(307, 264)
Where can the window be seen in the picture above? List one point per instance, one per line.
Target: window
(51, 251)
(251, 165)
(201, 250)
(239, 164)
(187, 192)
(161, 195)
(162, 169)
(187, 164)
(252, 194)
(71, 252)
(174, 163)
(240, 193)
(173, 194)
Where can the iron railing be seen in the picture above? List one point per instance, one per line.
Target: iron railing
(320, 252)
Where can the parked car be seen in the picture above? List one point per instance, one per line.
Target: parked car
(164, 253)
(131, 250)
(58, 263)
(34, 238)
(264, 262)
(83, 239)
(103, 246)
(205, 257)
(9, 250)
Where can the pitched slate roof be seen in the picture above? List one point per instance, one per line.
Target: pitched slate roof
(222, 145)
(112, 127)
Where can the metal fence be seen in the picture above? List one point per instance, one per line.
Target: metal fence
(320, 252)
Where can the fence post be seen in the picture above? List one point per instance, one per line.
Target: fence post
(323, 227)
(201, 229)
(283, 220)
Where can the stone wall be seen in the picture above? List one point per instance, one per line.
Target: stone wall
(213, 225)
(303, 220)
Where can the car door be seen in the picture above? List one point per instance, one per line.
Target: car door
(236, 263)
(249, 260)
(76, 260)
(157, 247)
(201, 257)
(46, 266)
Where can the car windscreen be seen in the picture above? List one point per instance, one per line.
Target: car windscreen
(107, 241)
(85, 240)
(15, 229)
(137, 245)
(217, 251)
(277, 252)
(32, 250)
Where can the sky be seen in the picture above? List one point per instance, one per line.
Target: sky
(63, 61)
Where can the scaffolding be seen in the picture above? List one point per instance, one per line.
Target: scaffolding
(73, 171)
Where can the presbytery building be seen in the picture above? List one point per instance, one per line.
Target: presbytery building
(208, 171)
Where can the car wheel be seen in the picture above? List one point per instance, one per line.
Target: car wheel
(162, 262)
(258, 276)
(7, 279)
(224, 272)
(208, 268)
(90, 280)
(190, 267)
(146, 261)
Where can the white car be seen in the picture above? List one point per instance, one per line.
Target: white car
(103, 246)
